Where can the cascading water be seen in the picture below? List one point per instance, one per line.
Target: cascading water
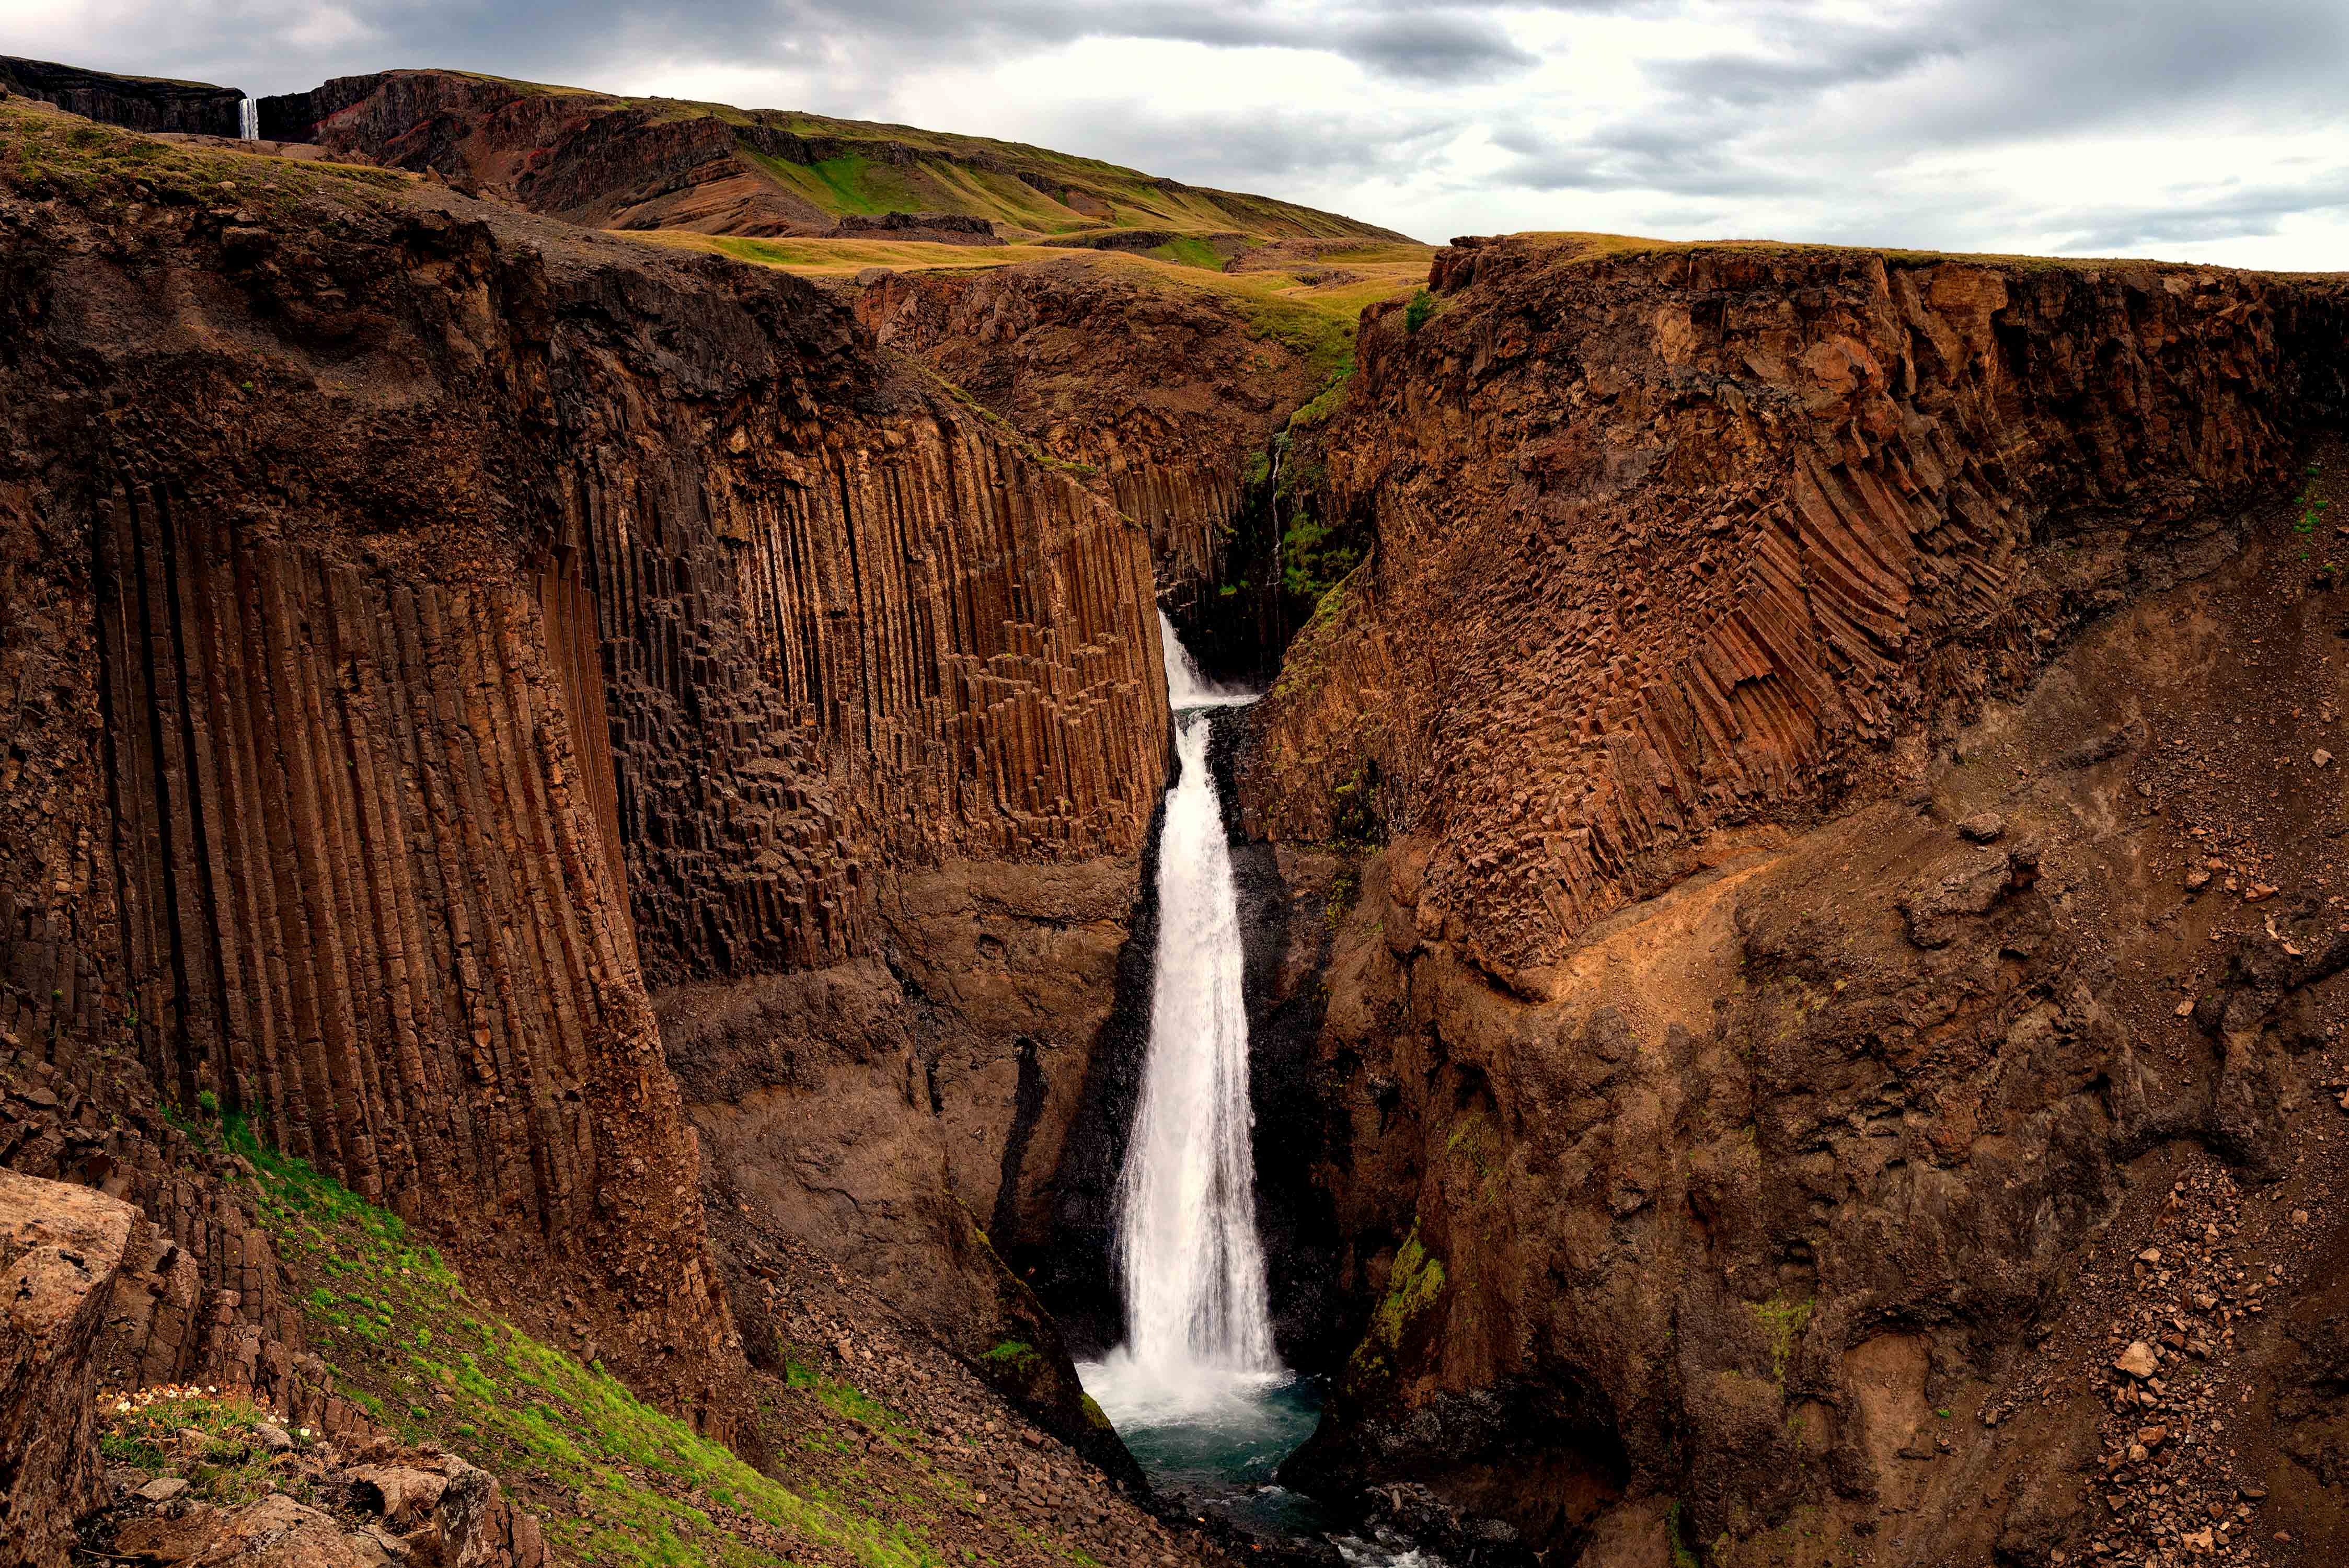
(1194, 1290)
(1198, 1328)
(1197, 1390)
(248, 120)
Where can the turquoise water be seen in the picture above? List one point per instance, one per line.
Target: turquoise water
(1213, 1441)
(1218, 1453)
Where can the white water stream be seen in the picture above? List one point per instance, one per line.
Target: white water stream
(1198, 1329)
(248, 120)
(1197, 1390)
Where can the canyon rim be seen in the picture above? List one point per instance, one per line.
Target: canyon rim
(736, 837)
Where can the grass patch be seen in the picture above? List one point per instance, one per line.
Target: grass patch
(636, 1488)
(207, 1438)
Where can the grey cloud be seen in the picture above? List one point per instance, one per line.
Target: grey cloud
(2225, 213)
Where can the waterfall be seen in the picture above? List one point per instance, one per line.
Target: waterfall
(1185, 686)
(1198, 1327)
(248, 120)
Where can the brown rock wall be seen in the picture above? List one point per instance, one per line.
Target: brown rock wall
(1675, 540)
(409, 589)
(1166, 393)
(61, 1249)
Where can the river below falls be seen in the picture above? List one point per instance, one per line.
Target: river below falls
(1214, 1445)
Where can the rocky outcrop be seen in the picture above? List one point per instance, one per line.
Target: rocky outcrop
(1803, 696)
(140, 103)
(936, 227)
(1687, 538)
(61, 1250)
(438, 628)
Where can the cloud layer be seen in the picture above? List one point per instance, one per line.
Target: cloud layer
(2155, 126)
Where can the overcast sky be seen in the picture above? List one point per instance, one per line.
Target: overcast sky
(2195, 129)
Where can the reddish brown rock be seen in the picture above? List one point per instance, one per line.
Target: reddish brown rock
(61, 1250)
(1678, 540)
(436, 623)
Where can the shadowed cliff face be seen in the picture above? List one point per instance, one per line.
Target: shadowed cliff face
(140, 103)
(1857, 739)
(403, 590)
(1166, 393)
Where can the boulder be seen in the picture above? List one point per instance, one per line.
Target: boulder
(61, 1247)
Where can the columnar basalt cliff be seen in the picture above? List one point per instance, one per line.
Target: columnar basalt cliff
(1719, 537)
(433, 631)
(1783, 1005)
(1168, 395)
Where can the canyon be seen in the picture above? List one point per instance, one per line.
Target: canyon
(588, 765)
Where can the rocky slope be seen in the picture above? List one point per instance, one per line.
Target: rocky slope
(662, 163)
(1773, 1004)
(448, 651)
(141, 103)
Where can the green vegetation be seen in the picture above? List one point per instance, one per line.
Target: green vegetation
(1681, 1556)
(2312, 506)
(228, 1469)
(47, 154)
(408, 1344)
(1414, 1282)
(1415, 313)
(1190, 252)
(1782, 1322)
(1412, 1285)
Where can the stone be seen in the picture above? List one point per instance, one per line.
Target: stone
(272, 1436)
(2137, 1361)
(163, 1489)
(1985, 828)
(404, 1496)
(2321, 756)
(61, 1250)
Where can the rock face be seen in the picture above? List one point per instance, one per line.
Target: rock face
(140, 103)
(435, 630)
(61, 1250)
(1167, 396)
(1730, 1122)
(1718, 537)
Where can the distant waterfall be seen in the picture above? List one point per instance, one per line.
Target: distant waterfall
(248, 120)
(1197, 1322)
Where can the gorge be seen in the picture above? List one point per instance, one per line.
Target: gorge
(1096, 872)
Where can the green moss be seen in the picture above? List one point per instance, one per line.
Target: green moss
(1413, 1286)
(1095, 1417)
(425, 1360)
(1674, 1530)
(1415, 314)
(1782, 1322)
